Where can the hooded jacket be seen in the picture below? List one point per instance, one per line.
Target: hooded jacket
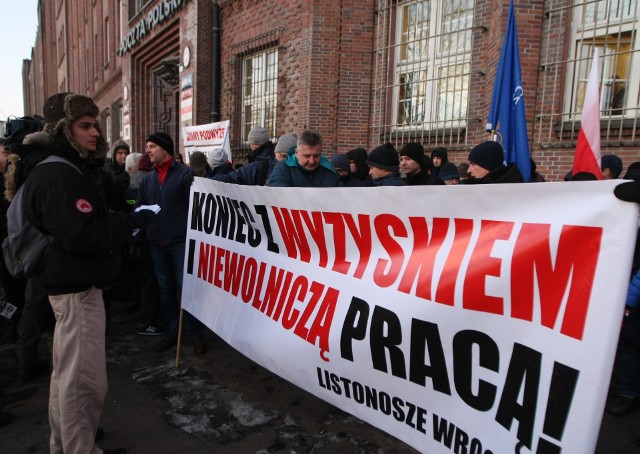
(116, 171)
(359, 156)
(70, 206)
(442, 154)
(340, 161)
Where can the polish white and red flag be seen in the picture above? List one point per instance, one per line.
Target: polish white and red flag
(587, 155)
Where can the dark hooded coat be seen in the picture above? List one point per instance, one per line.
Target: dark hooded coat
(117, 172)
(71, 207)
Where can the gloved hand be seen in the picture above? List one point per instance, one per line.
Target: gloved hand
(143, 218)
(629, 192)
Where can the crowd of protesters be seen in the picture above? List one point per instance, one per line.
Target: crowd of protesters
(119, 226)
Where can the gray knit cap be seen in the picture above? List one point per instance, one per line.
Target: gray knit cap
(285, 143)
(258, 135)
(217, 157)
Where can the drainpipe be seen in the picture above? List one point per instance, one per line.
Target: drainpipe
(215, 74)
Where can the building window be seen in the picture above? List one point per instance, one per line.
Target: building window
(108, 126)
(570, 35)
(423, 55)
(120, 122)
(119, 25)
(107, 42)
(61, 45)
(610, 25)
(136, 6)
(259, 92)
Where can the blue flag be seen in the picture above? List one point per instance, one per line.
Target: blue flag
(507, 116)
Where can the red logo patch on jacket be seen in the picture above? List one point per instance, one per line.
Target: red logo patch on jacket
(83, 206)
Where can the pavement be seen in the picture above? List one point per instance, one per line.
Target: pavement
(219, 402)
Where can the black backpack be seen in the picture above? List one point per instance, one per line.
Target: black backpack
(25, 246)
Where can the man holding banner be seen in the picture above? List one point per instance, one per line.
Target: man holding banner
(306, 167)
(486, 166)
(168, 186)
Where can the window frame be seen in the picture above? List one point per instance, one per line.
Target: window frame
(605, 33)
(435, 61)
(106, 43)
(267, 98)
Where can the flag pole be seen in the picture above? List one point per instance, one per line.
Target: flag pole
(507, 117)
(179, 338)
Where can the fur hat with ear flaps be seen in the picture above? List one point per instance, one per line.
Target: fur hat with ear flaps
(61, 110)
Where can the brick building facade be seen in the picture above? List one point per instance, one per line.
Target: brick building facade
(360, 72)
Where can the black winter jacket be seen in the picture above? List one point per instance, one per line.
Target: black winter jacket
(170, 225)
(422, 178)
(391, 179)
(70, 206)
(118, 175)
(501, 174)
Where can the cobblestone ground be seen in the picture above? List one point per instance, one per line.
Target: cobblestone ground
(219, 402)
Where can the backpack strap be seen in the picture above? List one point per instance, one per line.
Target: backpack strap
(55, 158)
(47, 160)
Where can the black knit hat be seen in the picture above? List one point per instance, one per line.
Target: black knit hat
(341, 161)
(197, 161)
(448, 171)
(163, 140)
(584, 176)
(384, 157)
(613, 163)
(415, 151)
(487, 155)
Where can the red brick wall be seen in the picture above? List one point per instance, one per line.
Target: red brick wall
(196, 32)
(355, 62)
(294, 42)
(324, 65)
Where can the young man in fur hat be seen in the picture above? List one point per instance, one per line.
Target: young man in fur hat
(66, 203)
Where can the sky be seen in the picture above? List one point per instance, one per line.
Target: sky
(19, 25)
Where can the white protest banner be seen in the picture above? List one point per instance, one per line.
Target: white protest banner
(207, 138)
(479, 319)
